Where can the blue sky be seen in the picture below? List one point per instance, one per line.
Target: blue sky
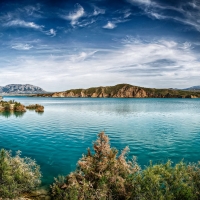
(60, 45)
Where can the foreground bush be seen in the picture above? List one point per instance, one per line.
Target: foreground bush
(17, 175)
(106, 176)
(102, 175)
(167, 182)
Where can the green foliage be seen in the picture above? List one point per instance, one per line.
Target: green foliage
(164, 181)
(171, 92)
(106, 176)
(17, 175)
(98, 176)
(75, 91)
(114, 89)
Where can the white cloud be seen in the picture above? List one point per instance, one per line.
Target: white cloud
(32, 25)
(110, 25)
(152, 64)
(98, 11)
(76, 14)
(82, 56)
(22, 46)
(6, 17)
(145, 2)
(51, 32)
(156, 10)
(127, 14)
(23, 23)
(187, 45)
(31, 9)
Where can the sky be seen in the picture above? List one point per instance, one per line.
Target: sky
(65, 44)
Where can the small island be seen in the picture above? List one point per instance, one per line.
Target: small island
(13, 106)
(36, 107)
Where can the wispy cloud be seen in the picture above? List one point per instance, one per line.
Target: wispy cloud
(144, 2)
(50, 32)
(22, 46)
(110, 25)
(31, 25)
(30, 10)
(98, 11)
(82, 56)
(22, 23)
(127, 13)
(113, 24)
(75, 15)
(190, 11)
(160, 64)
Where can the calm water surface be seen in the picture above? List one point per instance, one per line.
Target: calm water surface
(154, 129)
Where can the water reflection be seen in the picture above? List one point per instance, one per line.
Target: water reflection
(8, 114)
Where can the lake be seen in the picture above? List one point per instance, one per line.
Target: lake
(154, 129)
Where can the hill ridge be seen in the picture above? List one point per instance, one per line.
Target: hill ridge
(124, 91)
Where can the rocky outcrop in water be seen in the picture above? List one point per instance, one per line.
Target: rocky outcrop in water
(11, 106)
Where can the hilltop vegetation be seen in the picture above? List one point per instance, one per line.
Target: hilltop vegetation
(124, 91)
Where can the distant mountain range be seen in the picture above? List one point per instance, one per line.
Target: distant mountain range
(20, 89)
(194, 88)
(120, 90)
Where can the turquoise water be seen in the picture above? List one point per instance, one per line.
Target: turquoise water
(154, 129)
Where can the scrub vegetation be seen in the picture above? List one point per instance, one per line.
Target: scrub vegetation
(103, 174)
(106, 175)
(17, 175)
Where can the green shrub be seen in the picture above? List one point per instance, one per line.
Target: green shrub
(164, 181)
(17, 175)
(101, 175)
(106, 176)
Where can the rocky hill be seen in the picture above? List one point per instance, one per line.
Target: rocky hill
(20, 89)
(124, 91)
